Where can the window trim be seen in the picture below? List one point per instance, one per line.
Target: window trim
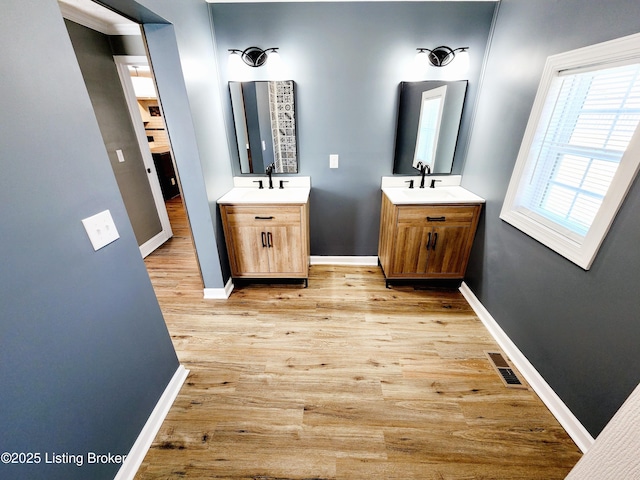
(582, 252)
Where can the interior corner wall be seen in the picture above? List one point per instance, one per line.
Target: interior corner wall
(347, 60)
(84, 350)
(578, 328)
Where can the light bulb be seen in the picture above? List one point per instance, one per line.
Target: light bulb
(275, 66)
(236, 66)
(420, 64)
(460, 66)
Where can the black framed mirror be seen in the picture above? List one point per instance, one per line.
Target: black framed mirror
(429, 115)
(264, 121)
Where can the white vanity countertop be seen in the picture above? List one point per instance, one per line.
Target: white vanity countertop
(296, 190)
(265, 195)
(437, 195)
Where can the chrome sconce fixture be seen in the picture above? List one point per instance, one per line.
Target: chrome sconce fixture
(441, 56)
(254, 56)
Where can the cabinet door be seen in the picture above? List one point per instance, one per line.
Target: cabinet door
(432, 241)
(411, 253)
(448, 250)
(284, 249)
(250, 248)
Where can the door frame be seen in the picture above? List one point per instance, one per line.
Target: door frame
(122, 65)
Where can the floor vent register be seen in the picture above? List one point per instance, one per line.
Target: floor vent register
(505, 370)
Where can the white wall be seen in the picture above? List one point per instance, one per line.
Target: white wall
(614, 455)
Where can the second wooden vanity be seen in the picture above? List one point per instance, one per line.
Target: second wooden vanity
(426, 240)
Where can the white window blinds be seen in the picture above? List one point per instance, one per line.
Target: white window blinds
(592, 116)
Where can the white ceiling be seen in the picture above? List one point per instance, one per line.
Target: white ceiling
(97, 17)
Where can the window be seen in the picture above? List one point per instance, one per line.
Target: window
(581, 149)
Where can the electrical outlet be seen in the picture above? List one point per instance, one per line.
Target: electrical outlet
(333, 160)
(120, 156)
(101, 229)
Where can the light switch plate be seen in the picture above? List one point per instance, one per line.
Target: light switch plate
(333, 161)
(101, 229)
(120, 156)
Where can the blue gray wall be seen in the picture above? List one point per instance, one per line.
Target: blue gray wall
(348, 60)
(84, 350)
(580, 329)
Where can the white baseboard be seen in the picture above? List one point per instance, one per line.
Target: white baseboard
(219, 293)
(569, 422)
(344, 260)
(150, 430)
(153, 243)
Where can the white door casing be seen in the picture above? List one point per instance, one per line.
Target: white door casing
(122, 64)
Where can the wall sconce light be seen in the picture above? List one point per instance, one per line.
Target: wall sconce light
(440, 56)
(254, 56)
(456, 62)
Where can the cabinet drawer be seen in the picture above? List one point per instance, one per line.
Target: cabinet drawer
(262, 216)
(439, 215)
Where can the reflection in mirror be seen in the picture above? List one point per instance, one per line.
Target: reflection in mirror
(429, 117)
(429, 126)
(265, 125)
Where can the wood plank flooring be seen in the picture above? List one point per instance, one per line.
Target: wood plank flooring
(343, 380)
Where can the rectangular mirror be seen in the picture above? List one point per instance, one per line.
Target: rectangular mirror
(429, 115)
(264, 120)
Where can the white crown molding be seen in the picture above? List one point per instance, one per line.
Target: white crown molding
(107, 23)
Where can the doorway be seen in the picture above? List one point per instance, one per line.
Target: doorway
(156, 39)
(139, 172)
(146, 115)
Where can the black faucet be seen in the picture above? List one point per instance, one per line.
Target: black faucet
(424, 170)
(270, 170)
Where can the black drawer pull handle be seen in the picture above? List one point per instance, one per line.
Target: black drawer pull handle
(436, 219)
(264, 218)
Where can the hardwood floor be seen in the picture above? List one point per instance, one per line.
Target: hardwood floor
(345, 379)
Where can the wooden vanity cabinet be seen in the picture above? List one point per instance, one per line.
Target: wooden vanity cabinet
(426, 241)
(266, 241)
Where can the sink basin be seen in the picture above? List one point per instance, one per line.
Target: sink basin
(265, 195)
(448, 194)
